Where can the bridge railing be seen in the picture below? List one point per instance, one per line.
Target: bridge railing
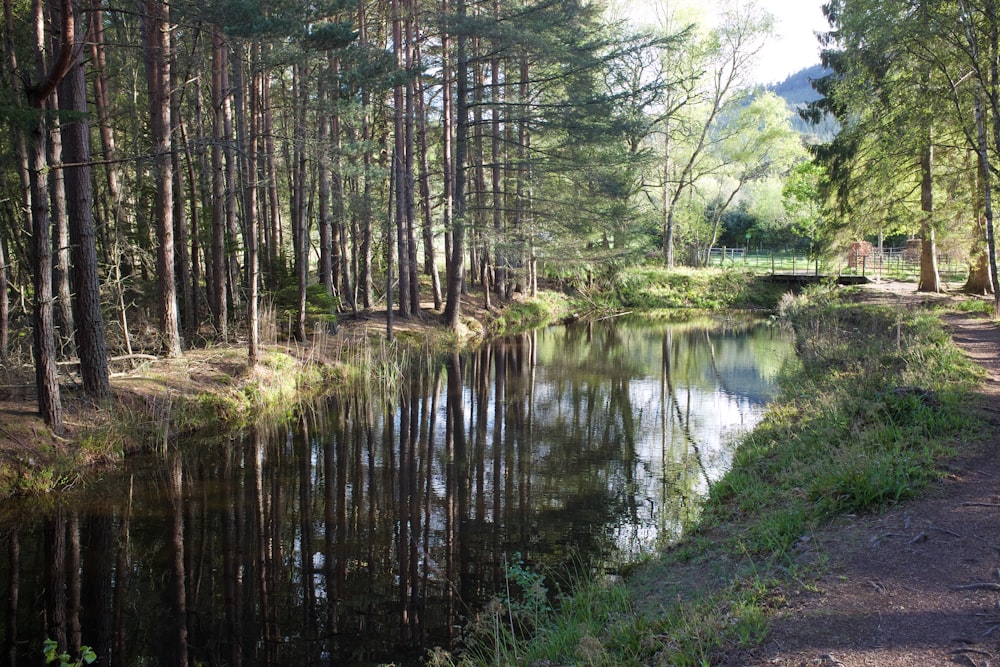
(890, 263)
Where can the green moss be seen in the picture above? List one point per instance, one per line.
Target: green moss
(527, 314)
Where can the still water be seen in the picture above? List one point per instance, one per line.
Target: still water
(368, 529)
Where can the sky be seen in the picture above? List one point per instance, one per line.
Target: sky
(793, 47)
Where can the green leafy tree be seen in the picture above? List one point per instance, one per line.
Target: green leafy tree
(758, 142)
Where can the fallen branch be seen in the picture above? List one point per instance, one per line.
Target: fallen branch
(129, 357)
(879, 538)
(983, 586)
(943, 530)
(123, 357)
(608, 317)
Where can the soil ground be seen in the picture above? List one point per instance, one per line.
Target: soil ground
(920, 584)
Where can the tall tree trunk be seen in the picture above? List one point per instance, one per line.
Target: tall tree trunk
(430, 263)
(345, 284)
(456, 263)
(217, 293)
(325, 222)
(980, 279)
(365, 281)
(668, 208)
(522, 208)
(90, 335)
(300, 220)
(250, 145)
(4, 307)
(399, 162)
(480, 252)
(496, 161)
(63, 306)
(46, 378)
(23, 205)
(929, 277)
(994, 100)
(157, 55)
(185, 286)
(412, 268)
(232, 233)
(274, 234)
(188, 235)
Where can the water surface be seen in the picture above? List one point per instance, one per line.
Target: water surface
(367, 529)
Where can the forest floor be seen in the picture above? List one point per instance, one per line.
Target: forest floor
(920, 583)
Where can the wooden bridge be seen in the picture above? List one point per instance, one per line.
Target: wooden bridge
(800, 279)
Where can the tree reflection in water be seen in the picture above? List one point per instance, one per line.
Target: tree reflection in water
(369, 528)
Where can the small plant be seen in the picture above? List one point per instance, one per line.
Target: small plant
(534, 598)
(50, 649)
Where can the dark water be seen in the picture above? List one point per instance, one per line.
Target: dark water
(368, 529)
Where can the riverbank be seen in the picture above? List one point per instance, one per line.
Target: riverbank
(855, 527)
(212, 389)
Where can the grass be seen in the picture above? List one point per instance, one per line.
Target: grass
(649, 288)
(982, 307)
(870, 414)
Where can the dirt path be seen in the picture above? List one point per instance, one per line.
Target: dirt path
(920, 584)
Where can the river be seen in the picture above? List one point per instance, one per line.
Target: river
(368, 529)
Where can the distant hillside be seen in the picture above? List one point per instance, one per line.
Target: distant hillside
(797, 91)
(797, 88)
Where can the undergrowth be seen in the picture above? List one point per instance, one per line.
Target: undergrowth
(648, 288)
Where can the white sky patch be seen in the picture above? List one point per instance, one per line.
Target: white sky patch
(793, 47)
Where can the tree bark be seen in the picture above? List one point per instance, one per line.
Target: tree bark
(157, 56)
(399, 163)
(409, 183)
(300, 220)
(365, 281)
(46, 377)
(217, 292)
(500, 279)
(929, 277)
(456, 264)
(251, 145)
(63, 306)
(90, 333)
